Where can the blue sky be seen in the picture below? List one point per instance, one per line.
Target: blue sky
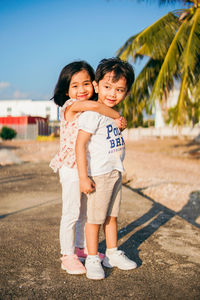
(39, 37)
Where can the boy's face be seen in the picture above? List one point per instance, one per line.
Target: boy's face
(109, 92)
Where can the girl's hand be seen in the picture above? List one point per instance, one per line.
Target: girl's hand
(87, 186)
(121, 123)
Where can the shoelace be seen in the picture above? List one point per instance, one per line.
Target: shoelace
(121, 253)
(94, 260)
(75, 259)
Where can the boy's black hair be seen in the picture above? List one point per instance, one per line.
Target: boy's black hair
(62, 86)
(119, 67)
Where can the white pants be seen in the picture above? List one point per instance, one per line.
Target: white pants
(72, 225)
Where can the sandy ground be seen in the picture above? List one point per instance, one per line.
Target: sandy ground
(166, 170)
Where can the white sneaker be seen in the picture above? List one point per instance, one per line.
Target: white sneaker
(94, 268)
(120, 260)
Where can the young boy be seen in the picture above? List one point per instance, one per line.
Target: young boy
(100, 151)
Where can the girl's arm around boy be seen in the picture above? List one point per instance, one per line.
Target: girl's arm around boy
(86, 184)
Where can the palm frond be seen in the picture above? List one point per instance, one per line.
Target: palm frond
(163, 2)
(180, 111)
(146, 41)
(191, 54)
(143, 84)
(170, 66)
(173, 46)
(137, 102)
(196, 92)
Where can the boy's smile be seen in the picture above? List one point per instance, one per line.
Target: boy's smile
(111, 92)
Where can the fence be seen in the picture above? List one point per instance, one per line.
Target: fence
(31, 131)
(24, 132)
(140, 133)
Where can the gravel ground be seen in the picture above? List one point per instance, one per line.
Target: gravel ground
(163, 242)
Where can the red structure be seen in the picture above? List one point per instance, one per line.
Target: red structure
(22, 120)
(25, 121)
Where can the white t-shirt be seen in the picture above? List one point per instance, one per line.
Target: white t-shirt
(106, 148)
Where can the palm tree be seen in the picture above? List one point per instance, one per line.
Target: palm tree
(172, 46)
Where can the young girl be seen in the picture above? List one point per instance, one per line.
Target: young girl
(73, 89)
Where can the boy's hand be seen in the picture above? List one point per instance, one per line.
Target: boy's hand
(121, 123)
(87, 186)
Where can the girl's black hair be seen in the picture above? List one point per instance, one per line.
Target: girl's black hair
(119, 67)
(62, 86)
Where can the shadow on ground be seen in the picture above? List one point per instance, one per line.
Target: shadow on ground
(30, 268)
(8, 147)
(193, 149)
(158, 215)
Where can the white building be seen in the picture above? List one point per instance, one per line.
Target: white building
(41, 108)
(171, 101)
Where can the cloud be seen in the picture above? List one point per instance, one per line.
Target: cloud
(8, 91)
(19, 95)
(4, 85)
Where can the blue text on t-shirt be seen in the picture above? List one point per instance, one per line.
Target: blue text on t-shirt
(118, 141)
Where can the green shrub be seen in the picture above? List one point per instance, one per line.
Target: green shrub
(148, 123)
(7, 133)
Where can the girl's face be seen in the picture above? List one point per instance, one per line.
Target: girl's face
(80, 86)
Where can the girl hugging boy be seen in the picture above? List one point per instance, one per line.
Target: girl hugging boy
(91, 182)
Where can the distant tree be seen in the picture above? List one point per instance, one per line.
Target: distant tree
(7, 133)
(172, 45)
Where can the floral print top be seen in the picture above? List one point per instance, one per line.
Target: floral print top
(68, 135)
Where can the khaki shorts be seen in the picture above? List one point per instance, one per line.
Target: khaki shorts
(105, 200)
